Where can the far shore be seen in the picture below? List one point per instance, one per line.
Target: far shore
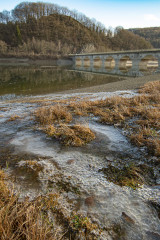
(36, 60)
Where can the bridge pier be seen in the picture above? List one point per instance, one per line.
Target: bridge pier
(116, 68)
(129, 63)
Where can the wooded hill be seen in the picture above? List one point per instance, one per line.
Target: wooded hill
(151, 34)
(48, 29)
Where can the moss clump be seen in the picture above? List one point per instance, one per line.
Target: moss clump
(67, 187)
(79, 222)
(131, 176)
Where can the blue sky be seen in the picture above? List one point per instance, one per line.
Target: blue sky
(133, 13)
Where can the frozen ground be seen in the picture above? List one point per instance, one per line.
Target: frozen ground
(108, 203)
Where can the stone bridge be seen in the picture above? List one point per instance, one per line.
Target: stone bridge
(130, 63)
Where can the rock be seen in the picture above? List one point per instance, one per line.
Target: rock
(127, 218)
(70, 161)
(90, 201)
(109, 159)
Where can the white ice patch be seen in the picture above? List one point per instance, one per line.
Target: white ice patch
(90, 96)
(116, 140)
(111, 200)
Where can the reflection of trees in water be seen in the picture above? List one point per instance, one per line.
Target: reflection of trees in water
(36, 80)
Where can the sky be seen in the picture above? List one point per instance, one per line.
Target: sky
(111, 13)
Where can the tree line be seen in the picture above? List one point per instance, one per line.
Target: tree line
(48, 29)
(151, 34)
(25, 10)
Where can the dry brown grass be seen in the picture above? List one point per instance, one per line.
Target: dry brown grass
(80, 108)
(31, 220)
(150, 87)
(54, 121)
(21, 220)
(147, 137)
(13, 118)
(144, 110)
(34, 165)
(49, 115)
(75, 135)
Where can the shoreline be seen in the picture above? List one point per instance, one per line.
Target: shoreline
(34, 60)
(129, 83)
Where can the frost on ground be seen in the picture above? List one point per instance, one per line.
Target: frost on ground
(110, 180)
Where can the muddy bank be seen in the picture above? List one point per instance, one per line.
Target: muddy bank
(129, 83)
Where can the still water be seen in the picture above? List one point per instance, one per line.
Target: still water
(36, 80)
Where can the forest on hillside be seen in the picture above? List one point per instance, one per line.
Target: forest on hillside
(151, 34)
(33, 29)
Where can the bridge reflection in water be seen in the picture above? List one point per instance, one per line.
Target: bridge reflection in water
(129, 63)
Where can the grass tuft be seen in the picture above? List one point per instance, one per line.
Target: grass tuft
(21, 220)
(13, 118)
(50, 115)
(74, 135)
(34, 165)
(150, 87)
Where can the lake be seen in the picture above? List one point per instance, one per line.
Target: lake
(18, 80)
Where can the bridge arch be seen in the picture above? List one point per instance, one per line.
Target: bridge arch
(78, 62)
(97, 62)
(149, 63)
(109, 63)
(86, 62)
(125, 64)
(129, 63)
